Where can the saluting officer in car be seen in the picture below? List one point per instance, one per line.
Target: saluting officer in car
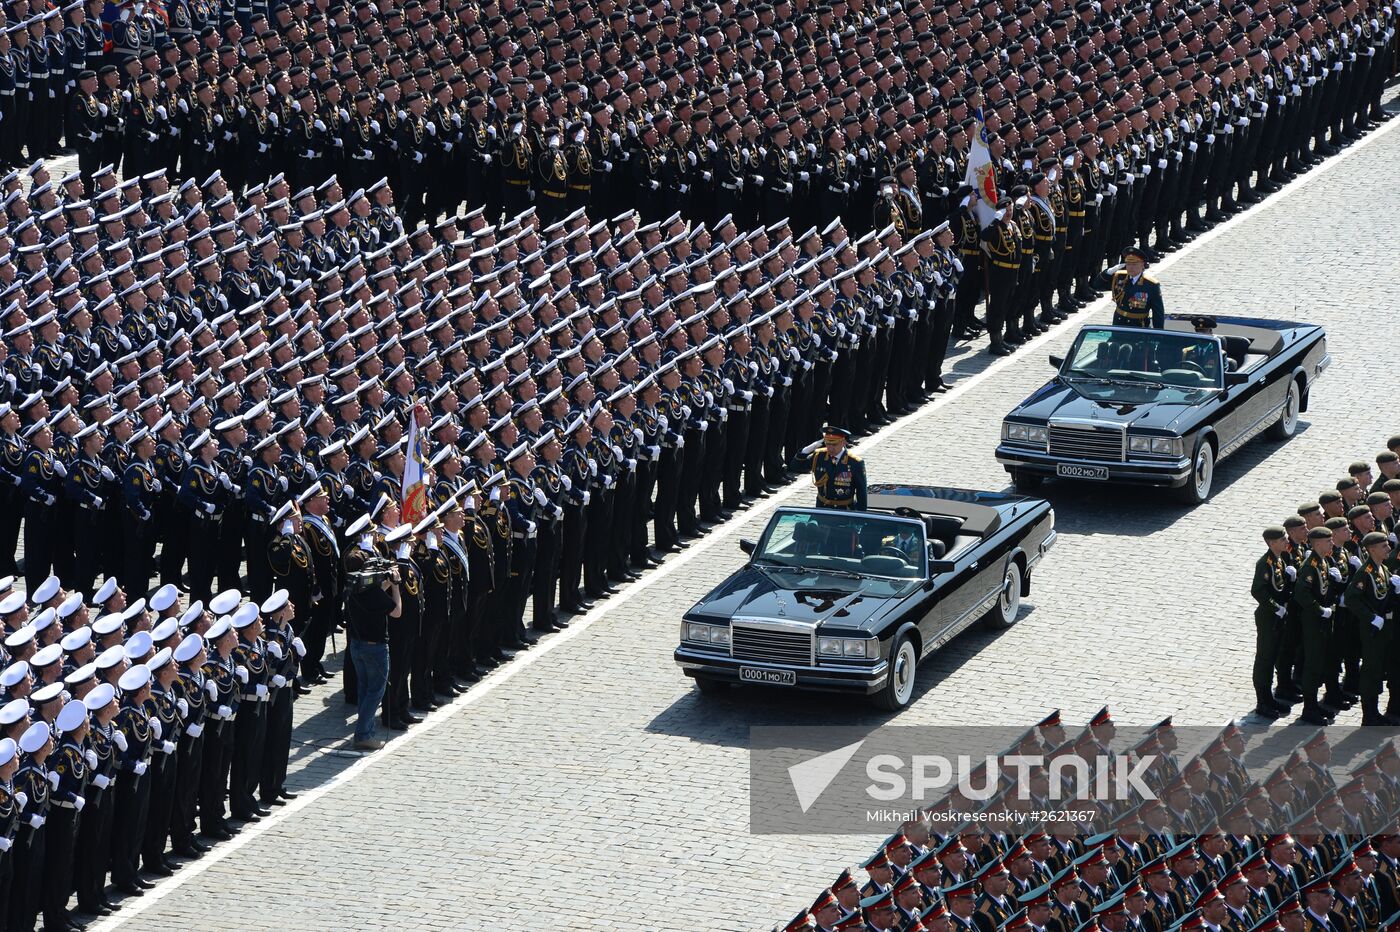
(838, 474)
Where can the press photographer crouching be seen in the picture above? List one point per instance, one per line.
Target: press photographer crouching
(372, 598)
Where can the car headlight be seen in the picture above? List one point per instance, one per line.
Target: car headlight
(1167, 446)
(1140, 444)
(702, 633)
(1036, 434)
(1012, 431)
(845, 647)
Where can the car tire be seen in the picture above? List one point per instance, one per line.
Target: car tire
(709, 686)
(898, 690)
(1198, 485)
(1025, 482)
(1287, 424)
(1008, 605)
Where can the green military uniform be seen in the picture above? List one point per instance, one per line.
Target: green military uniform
(1370, 599)
(1272, 591)
(1315, 597)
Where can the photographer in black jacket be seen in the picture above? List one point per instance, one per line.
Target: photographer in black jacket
(371, 600)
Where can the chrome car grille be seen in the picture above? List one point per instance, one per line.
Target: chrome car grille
(771, 646)
(1095, 443)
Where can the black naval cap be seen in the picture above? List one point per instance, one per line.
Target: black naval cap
(1295, 521)
(1318, 533)
(1275, 533)
(1373, 538)
(1308, 508)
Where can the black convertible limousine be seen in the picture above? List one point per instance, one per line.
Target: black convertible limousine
(851, 601)
(1162, 407)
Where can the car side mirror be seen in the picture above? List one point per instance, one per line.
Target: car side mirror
(1057, 361)
(1236, 378)
(941, 566)
(747, 546)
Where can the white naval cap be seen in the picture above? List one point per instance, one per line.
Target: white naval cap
(165, 630)
(164, 597)
(12, 674)
(111, 657)
(247, 614)
(34, 737)
(76, 639)
(46, 694)
(70, 605)
(398, 534)
(217, 630)
(138, 645)
(11, 603)
(276, 602)
(72, 715)
(106, 591)
(8, 750)
(192, 614)
(19, 637)
(86, 672)
(188, 648)
(99, 696)
(134, 609)
(135, 678)
(47, 655)
(46, 590)
(43, 619)
(13, 711)
(161, 658)
(225, 602)
(107, 624)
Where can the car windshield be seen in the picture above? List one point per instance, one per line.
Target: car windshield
(1139, 366)
(858, 544)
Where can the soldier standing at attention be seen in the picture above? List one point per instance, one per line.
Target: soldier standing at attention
(1272, 590)
(1315, 595)
(1137, 297)
(838, 474)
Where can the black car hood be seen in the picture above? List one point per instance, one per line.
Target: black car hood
(776, 594)
(1056, 399)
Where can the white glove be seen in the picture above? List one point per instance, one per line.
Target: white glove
(1335, 573)
(79, 803)
(587, 496)
(194, 731)
(1395, 581)
(155, 485)
(540, 496)
(168, 747)
(108, 474)
(1355, 561)
(1327, 613)
(225, 713)
(212, 689)
(59, 468)
(140, 768)
(282, 481)
(119, 740)
(21, 799)
(101, 781)
(183, 706)
(225, 481)
(1377, 622)
(36, 821)
(1291, 572)
(279, 680)
(242, 673)
(91, 757)
(566, 482)
(1281, 611)
(260, 690)
(155, 726)
(53, 779)
(531, 526)
(593, 466)
(274, 649)
(209, 507)
(97, 501)
(299, 647)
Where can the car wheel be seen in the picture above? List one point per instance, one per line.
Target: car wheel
(899, 686)
(1198, 484)
(1287, 424)
(1025, 482)
(710, 686)
(1008, 606)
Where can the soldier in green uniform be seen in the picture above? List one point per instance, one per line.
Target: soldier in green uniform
(1272, 591)
(1315, 597)
(1137, 296)
(838, 474)
(1370, 597)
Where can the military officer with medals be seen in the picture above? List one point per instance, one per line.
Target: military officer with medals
(320, 617)
(1371, 596)
(1137, 296)
(838, 474)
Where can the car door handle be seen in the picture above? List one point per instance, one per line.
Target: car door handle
(974, 564)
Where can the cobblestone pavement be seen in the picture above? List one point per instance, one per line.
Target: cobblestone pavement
(592, 788)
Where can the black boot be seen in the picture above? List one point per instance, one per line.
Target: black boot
(1370, 711)
(1313, 713)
